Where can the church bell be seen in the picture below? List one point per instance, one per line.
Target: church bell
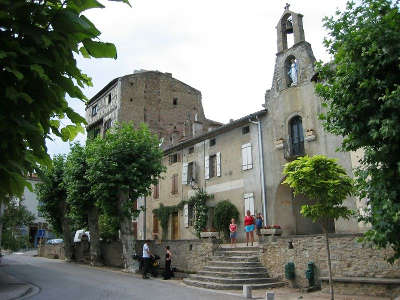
(289, 26)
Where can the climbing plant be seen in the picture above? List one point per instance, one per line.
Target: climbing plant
(163, 213)
(223, 213)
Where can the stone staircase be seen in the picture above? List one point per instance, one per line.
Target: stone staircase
(231, 268)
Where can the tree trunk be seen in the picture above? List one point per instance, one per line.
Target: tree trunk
(126, 229)
(2, 207)
(95, 253)
(329, 265)
(68, 243)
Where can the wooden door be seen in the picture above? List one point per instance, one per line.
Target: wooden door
(175, 226)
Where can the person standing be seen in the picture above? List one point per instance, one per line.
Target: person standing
(259, 225)
(233, 232)
(146, 260)
(168, 260)
(249, 227)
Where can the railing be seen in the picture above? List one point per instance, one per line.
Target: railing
(293, 150)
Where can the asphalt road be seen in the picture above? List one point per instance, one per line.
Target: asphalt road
(58, 280)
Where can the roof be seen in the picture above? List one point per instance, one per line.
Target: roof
(231, 125)
(115, 80)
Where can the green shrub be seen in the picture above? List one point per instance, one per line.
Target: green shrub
(223, 213)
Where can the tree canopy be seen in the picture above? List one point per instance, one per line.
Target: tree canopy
(39, 42)
(361, 89)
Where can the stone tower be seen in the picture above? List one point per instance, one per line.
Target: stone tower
(293, 129)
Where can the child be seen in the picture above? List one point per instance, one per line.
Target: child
(259, 225)
(233, 232)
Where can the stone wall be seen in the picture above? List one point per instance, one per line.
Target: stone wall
(52, 251)
(188, 256)
(349, 258)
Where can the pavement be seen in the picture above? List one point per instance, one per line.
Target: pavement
(24, 276)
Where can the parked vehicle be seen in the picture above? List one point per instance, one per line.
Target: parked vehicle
(55, 241)
(81, 233)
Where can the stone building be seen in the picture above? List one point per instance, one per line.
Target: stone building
(289, 127)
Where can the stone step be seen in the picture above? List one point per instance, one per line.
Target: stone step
(231, 280)
(237, 253)
(222, 286)
(235, 258)
(249, 274)
(249, 248)
(235, 264)
(234, 269)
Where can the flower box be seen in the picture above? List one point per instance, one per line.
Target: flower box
(271, 231)
(208, 234)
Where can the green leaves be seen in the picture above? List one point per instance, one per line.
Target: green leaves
(38, 42)
(320, 179)
(363, 97)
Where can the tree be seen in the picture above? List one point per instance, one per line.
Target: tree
(361, 88)
(223, 213)
(83, 207)
(122, 168)
(52, 195)
(37, 69)
(325, 182)
(16, 216)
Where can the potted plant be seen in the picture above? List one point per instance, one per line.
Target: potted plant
(271, 230)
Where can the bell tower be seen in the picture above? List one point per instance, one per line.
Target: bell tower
(294, 66)
(290, 23)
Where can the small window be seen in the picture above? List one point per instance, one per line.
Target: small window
(212, 142)
(174, 189)
(190, 172)
(107, 125)
(213, 166)
(109, 98)
(156, 193)
(94, 110)
(191, 150)
(174, 158)
(245, 130)
(175, 101)
(190, 215)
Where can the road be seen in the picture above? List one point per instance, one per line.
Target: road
(59, 280)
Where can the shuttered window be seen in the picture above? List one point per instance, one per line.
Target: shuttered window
(247, 159)
(249, 203)
(174, 189)
(156, 192)
(213, 165)
(155, 224)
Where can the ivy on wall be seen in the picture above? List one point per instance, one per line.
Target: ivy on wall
(197, 201)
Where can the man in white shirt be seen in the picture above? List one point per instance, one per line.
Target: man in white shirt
(146, 259)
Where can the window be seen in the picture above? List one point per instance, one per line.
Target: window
(175, 101)
(96, 132)
(156, 191)
(109, 98)
(188, 215)
(188, 172)
(249, 203)
(191, 150)
(155, 224)
(296, 136)
(212, 142)
(213, 166)
(94, 110)
(174, 158)
(245, 130)
(174, 189)
(107, 125)
(247, 160)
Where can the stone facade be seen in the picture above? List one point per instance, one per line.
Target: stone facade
(349, 258)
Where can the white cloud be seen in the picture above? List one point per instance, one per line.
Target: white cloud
(226, 49)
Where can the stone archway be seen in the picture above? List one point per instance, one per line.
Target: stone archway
(283, 210)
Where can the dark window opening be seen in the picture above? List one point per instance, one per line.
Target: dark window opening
(109, 99)
(96, 132)
(175, 101)
(174, 184)
(131, 99)
(190, 215)
(191, 150)
(245, 129)
(212, 142)
(296, 136)
(174, 158)
(107, 125)
(94, 110)
(213, 166)
(190, 172)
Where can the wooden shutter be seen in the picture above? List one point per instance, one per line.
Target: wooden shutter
(186, 215)
(185, 173)
(244, 157)
(218, 164)
(156, 193)
(155, 224)
(193, 170)
(207, 167)
(247, 159)
(249, 203)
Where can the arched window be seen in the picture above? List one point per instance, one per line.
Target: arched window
(296, 136)
(291, 71)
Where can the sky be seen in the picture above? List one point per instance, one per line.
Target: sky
(224, 48)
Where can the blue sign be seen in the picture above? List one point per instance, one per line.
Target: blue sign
(41, 233)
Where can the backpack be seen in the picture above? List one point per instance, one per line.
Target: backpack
(259, 223)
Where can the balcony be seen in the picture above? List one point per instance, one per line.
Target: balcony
(293, 150)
